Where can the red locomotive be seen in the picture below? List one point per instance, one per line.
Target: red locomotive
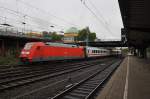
(39, 51)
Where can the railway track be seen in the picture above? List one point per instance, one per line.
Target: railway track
(62, 83)
(87, 88)
(27, 71)
(11, 73)
(27, 68)
(16, 81)
(16, 68)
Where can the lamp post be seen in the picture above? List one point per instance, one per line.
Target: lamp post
(24, 23)
(52, 26)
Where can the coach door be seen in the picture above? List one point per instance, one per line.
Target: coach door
(85, 52)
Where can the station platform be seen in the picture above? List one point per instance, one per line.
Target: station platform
(130, 81)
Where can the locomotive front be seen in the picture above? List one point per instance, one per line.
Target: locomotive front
(26, 52)
(31, 51)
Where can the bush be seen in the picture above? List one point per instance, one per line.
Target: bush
(8, 60)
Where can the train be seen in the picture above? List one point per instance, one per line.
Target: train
(40, 51)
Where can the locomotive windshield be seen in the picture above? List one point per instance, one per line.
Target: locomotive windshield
(28, 46)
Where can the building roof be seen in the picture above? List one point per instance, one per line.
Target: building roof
(60, 44)
(135, 16)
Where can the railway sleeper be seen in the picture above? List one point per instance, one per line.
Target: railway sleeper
(70, 97)
(83, 89)
(93, 84)
(80, 91)
(88, 86)
(78, 95)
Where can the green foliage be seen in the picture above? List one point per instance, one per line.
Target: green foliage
(46, 34)
(52, 35)
(84, 33)
(92, 36)
(56, 37)
(125, 50)
(8, 60)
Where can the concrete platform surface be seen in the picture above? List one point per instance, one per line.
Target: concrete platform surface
(130, 81)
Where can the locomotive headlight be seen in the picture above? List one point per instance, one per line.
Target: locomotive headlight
(27, 52)
(22, 52)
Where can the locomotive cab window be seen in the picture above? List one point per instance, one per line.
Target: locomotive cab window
(28, 46)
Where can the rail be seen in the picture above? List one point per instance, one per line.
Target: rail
(86, 88)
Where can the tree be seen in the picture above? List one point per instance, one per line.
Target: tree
(52, 35)
(92, 36)
(56, 37)
(46, 35)
(82, 35)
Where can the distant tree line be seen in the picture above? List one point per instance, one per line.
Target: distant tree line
(53, 36)
(83, 34)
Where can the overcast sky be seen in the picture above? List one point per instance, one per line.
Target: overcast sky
(41, 14)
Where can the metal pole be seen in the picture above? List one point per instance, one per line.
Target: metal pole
(87, 36)
(24, 23)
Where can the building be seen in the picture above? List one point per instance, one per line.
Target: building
(70, 36)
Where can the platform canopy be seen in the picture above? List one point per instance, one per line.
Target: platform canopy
(136, 20)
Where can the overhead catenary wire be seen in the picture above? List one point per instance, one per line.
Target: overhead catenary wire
(18, 21)
(99, 20)
(48, 13)
(94, 24)
(100, 14)
(13, 20)
(21, 15)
